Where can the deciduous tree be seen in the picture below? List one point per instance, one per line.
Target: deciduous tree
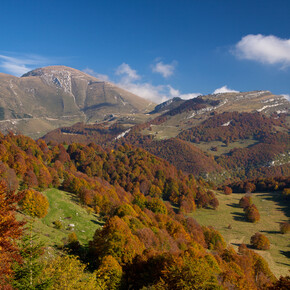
(34, 203)
(10, 231)
(260, 242)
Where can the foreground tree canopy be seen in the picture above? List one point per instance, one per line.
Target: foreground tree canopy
(143, 242)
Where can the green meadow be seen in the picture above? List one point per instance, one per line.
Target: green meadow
(229, 220)
(64, 207)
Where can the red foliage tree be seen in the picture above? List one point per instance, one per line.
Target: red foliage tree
(10, 230)
(30, 179)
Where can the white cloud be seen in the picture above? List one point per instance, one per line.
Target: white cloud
(265, 49)
(147, 91)
(223, 90)
(166, 70)
(91, 72)
(22, 63)
(128, 74)
(189, 96)
(131, 81)
(128, 79)
(173, 92)
(286, 96)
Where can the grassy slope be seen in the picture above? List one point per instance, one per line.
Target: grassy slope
(222, 149)
(62, 206)
(272, 213)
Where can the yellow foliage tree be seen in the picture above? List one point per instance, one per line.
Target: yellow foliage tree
(67, 272)
(34, 203)
(109, 273)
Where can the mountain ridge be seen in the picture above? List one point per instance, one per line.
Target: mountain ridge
(50, 96)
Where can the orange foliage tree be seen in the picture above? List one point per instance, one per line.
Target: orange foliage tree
(117, 240)
(260, 242)
(252, 214)
(10, 230)
(227, 190)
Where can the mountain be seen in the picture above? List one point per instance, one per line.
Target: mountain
(50, 97)
(167, 105)
(230, 135)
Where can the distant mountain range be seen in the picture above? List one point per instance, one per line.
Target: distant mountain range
(50, 97)
(243, 135)
(218, 136)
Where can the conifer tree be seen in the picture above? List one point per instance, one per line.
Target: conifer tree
(27, 274)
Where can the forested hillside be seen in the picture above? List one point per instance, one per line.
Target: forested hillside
(147, 239)
(224, 145)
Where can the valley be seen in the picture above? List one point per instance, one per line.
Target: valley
(230, 222)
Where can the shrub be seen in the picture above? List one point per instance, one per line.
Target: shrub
(260, 242)
(252, 214)
(284, 228)
(245, 201)
(57, 224)
(227, 190)
(34, 203)
(214, 203)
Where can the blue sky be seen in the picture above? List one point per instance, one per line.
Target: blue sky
(155, 48)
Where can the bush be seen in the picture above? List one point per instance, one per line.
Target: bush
(214, 203)
(284, 228)
(227, 190)
(57, 224)
(245, 201)
(34, 203)
(260, 242)
(252, 214)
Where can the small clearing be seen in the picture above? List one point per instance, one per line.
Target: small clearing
(63, 207)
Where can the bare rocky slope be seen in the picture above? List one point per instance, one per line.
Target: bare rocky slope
(55, 96)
